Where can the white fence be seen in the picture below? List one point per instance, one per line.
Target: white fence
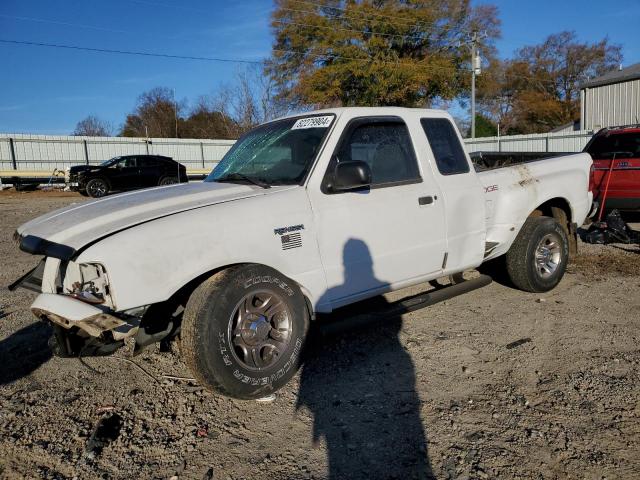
(536, 142)
(44, 152)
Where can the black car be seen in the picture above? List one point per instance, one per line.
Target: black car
(125, 173)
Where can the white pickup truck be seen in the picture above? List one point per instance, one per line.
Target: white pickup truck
(303, 215)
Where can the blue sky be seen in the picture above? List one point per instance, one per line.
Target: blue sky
(46, 90)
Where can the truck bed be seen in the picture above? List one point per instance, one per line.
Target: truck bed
(483, 161)
(523, 181)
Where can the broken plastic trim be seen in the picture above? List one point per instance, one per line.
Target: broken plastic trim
(68, 312)
(40, 246)
(32, 280)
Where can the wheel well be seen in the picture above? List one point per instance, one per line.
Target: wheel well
(554, 208)
(99, 177)
(163, 310)
(559, 209)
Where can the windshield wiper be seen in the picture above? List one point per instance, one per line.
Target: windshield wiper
(240, 176)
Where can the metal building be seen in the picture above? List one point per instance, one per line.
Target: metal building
(612, 99)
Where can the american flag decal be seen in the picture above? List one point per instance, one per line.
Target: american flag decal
(291, 240)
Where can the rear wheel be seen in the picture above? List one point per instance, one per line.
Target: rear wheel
(243, 330)
(168, 181)
(83, 193)
(538, 258)
(97, 187)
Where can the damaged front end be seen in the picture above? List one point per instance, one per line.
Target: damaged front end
(77, 299)
(84, 329)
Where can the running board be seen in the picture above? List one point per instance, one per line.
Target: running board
(400, 307)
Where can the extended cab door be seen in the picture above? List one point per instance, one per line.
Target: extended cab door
(463, 196)
(389, 234)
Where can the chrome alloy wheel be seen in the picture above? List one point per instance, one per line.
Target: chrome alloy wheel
(260, 329)
(97, 188)
(548, 255)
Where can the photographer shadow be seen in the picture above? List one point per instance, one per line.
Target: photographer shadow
(24, 351)
(360, 388)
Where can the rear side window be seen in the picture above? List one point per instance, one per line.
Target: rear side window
(445, 145)
(623, 145)
(147, 162)
(386, 147)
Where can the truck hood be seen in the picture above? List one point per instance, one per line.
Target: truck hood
(80, 224)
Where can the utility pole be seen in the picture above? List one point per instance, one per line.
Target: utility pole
(175, 110)
(475, 70)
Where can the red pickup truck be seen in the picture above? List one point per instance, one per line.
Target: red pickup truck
(616, 159)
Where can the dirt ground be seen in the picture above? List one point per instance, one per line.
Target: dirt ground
(493, 384)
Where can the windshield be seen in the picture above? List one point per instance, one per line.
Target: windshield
(111, 161)
(277, 153)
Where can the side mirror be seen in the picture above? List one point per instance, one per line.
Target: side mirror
(351, 175)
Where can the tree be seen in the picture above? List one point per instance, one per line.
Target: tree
(249, 101)
(154, 116)
(93, 126)
(484, 127)
(540, 88)
(375, 52)
(205, 121)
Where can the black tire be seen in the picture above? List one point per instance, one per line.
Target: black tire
(83, 193)
(212, 341)
(538, 274)
(168, 181)
(97, 187)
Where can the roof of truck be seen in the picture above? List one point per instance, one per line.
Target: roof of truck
(373, 111)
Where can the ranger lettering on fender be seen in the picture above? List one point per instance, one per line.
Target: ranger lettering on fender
(283, 230)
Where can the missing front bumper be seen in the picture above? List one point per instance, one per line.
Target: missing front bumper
(68, 313)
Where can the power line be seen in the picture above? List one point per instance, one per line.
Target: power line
(129, 52)
(218, 59)
(257, 62)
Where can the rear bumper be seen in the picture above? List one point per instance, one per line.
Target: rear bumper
(67, 312)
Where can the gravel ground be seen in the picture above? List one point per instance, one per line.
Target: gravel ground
(493, 384)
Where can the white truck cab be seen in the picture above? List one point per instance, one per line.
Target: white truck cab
(303, 215)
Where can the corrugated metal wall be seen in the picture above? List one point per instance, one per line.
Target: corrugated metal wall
(611, 105)
(536, 142)
(44, 152)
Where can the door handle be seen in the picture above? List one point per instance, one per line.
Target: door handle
(428, 200)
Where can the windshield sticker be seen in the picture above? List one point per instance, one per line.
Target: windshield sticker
(313, 122)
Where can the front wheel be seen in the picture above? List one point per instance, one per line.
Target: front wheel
(243, 331)
(538, 258)
(97, 187)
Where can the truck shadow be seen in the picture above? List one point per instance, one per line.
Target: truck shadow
(24, 351)
(360, 388)
(497, 270)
